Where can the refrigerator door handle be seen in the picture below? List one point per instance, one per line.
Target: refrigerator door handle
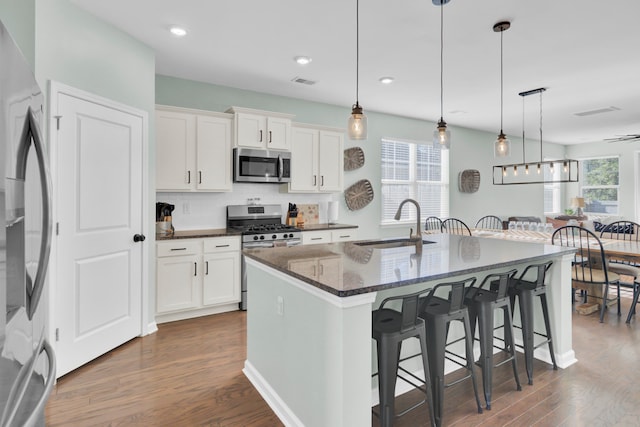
(20, 385)
(31, 131)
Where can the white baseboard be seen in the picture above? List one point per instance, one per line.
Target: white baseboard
(272, 398)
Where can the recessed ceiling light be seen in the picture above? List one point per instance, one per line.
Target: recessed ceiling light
(386, 80)
(302, 60)
(178, 31)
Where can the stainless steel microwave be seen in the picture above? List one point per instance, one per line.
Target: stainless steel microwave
(251, 165)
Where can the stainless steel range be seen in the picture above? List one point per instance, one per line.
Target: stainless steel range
(261, 227)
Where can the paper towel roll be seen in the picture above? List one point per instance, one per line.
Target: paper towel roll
(332, 213)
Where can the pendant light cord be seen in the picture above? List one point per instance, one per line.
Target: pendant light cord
(523, 157)
(541, 125)
(501, 82)
(357, 49)
(441, 58)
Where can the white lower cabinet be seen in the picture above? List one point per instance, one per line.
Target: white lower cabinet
(196, 277)
(316, 237)
(329, 236)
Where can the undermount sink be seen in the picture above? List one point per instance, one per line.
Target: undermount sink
(389, 243)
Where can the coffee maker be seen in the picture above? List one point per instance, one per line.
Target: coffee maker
(164, 225)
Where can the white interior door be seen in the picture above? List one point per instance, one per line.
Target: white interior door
(98, 301)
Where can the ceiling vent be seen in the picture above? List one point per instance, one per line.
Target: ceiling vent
(303, 81)
(598, 111)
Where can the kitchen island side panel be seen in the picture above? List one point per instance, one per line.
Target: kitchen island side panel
(308, 352)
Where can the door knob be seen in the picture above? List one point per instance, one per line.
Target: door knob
(138, 237)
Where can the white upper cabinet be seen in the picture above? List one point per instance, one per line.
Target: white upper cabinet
(193, 150)
(261, 129)
(316, 160)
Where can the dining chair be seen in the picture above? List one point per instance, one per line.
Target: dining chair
(433, 223)
(628, 231)
(489, 222)
(455, 226)
(589, 270)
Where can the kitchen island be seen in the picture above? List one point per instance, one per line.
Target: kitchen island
(309, 346)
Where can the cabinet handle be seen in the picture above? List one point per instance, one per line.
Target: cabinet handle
(322, 269)
(314, 271)
(206, 267)
(270, 139)
(344, 237)
(321, 180)
(316, 238)
(315, 180)
(178, 249)
(195, 268)
(260, 135)
(222, 246)
(188, 177)
(199, 177)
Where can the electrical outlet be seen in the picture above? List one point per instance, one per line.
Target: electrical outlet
(280, 306)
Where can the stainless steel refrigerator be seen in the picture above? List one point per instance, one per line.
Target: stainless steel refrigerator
(27, 361)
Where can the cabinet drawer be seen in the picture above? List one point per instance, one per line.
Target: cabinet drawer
(345, 235)
(177, 248)
(315, 237)
(222, 244)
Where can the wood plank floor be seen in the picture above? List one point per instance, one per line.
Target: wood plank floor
(189, 374)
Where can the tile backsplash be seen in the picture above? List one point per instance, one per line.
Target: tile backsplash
(209, 210)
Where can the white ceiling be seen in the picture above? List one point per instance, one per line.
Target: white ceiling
(585, 52)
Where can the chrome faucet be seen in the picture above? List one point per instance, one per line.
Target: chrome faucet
(416, 238)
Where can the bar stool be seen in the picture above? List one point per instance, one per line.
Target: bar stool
(438, 313)
(482, 302)
(390, 328)
(526, 290)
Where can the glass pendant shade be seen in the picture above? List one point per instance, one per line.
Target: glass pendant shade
(442, 136)
(357, 126)
(502, 146)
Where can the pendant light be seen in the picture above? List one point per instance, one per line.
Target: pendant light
(539, 171)
(357, 126)
(502, 146)
(441, 136)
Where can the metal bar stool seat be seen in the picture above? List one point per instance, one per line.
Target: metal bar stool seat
(438, 313)
(390, 328)
(526, 291)
(482, 301)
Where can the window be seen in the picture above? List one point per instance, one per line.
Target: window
(414, 170)
(599, 179)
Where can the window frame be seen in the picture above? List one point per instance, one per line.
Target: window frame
(414, 184)
(582, 187)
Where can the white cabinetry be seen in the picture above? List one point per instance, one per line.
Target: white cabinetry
(329, 236)
(261, 129)
(322, 269)
(197, 277)
(193, 150)
(344, 235)
(316, 160)
(316, 237)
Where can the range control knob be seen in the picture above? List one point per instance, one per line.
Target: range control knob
(274, 237)
(255, 237)
(261, 237)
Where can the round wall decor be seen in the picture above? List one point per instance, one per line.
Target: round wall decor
(469, 181)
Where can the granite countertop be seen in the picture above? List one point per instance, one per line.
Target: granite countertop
(325, 226)
(196, 234)
(359, 269)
